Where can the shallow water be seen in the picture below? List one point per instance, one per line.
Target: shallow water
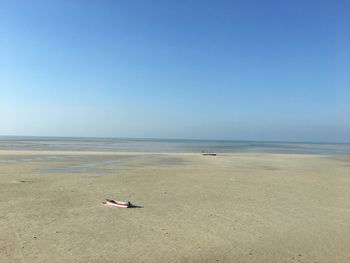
(91, 165)
(158, 145)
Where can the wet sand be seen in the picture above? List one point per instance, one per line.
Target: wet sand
(228, 208)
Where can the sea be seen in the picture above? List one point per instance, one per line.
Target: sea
(168, 145)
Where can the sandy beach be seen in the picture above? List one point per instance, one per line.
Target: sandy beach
(247, 207)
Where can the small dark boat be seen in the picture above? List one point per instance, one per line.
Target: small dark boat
(208, 153)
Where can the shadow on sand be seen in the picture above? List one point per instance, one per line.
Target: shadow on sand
(135, 206)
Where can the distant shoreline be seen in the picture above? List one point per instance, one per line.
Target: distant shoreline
(38, 137)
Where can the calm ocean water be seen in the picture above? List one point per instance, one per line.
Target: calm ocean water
(160, 145)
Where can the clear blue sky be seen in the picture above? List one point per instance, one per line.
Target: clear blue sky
(256, 70)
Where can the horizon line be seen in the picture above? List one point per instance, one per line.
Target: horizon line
(173, 139)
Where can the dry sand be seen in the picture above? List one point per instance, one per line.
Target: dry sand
(229, 208)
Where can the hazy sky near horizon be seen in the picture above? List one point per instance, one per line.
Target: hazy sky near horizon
(254, 70)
